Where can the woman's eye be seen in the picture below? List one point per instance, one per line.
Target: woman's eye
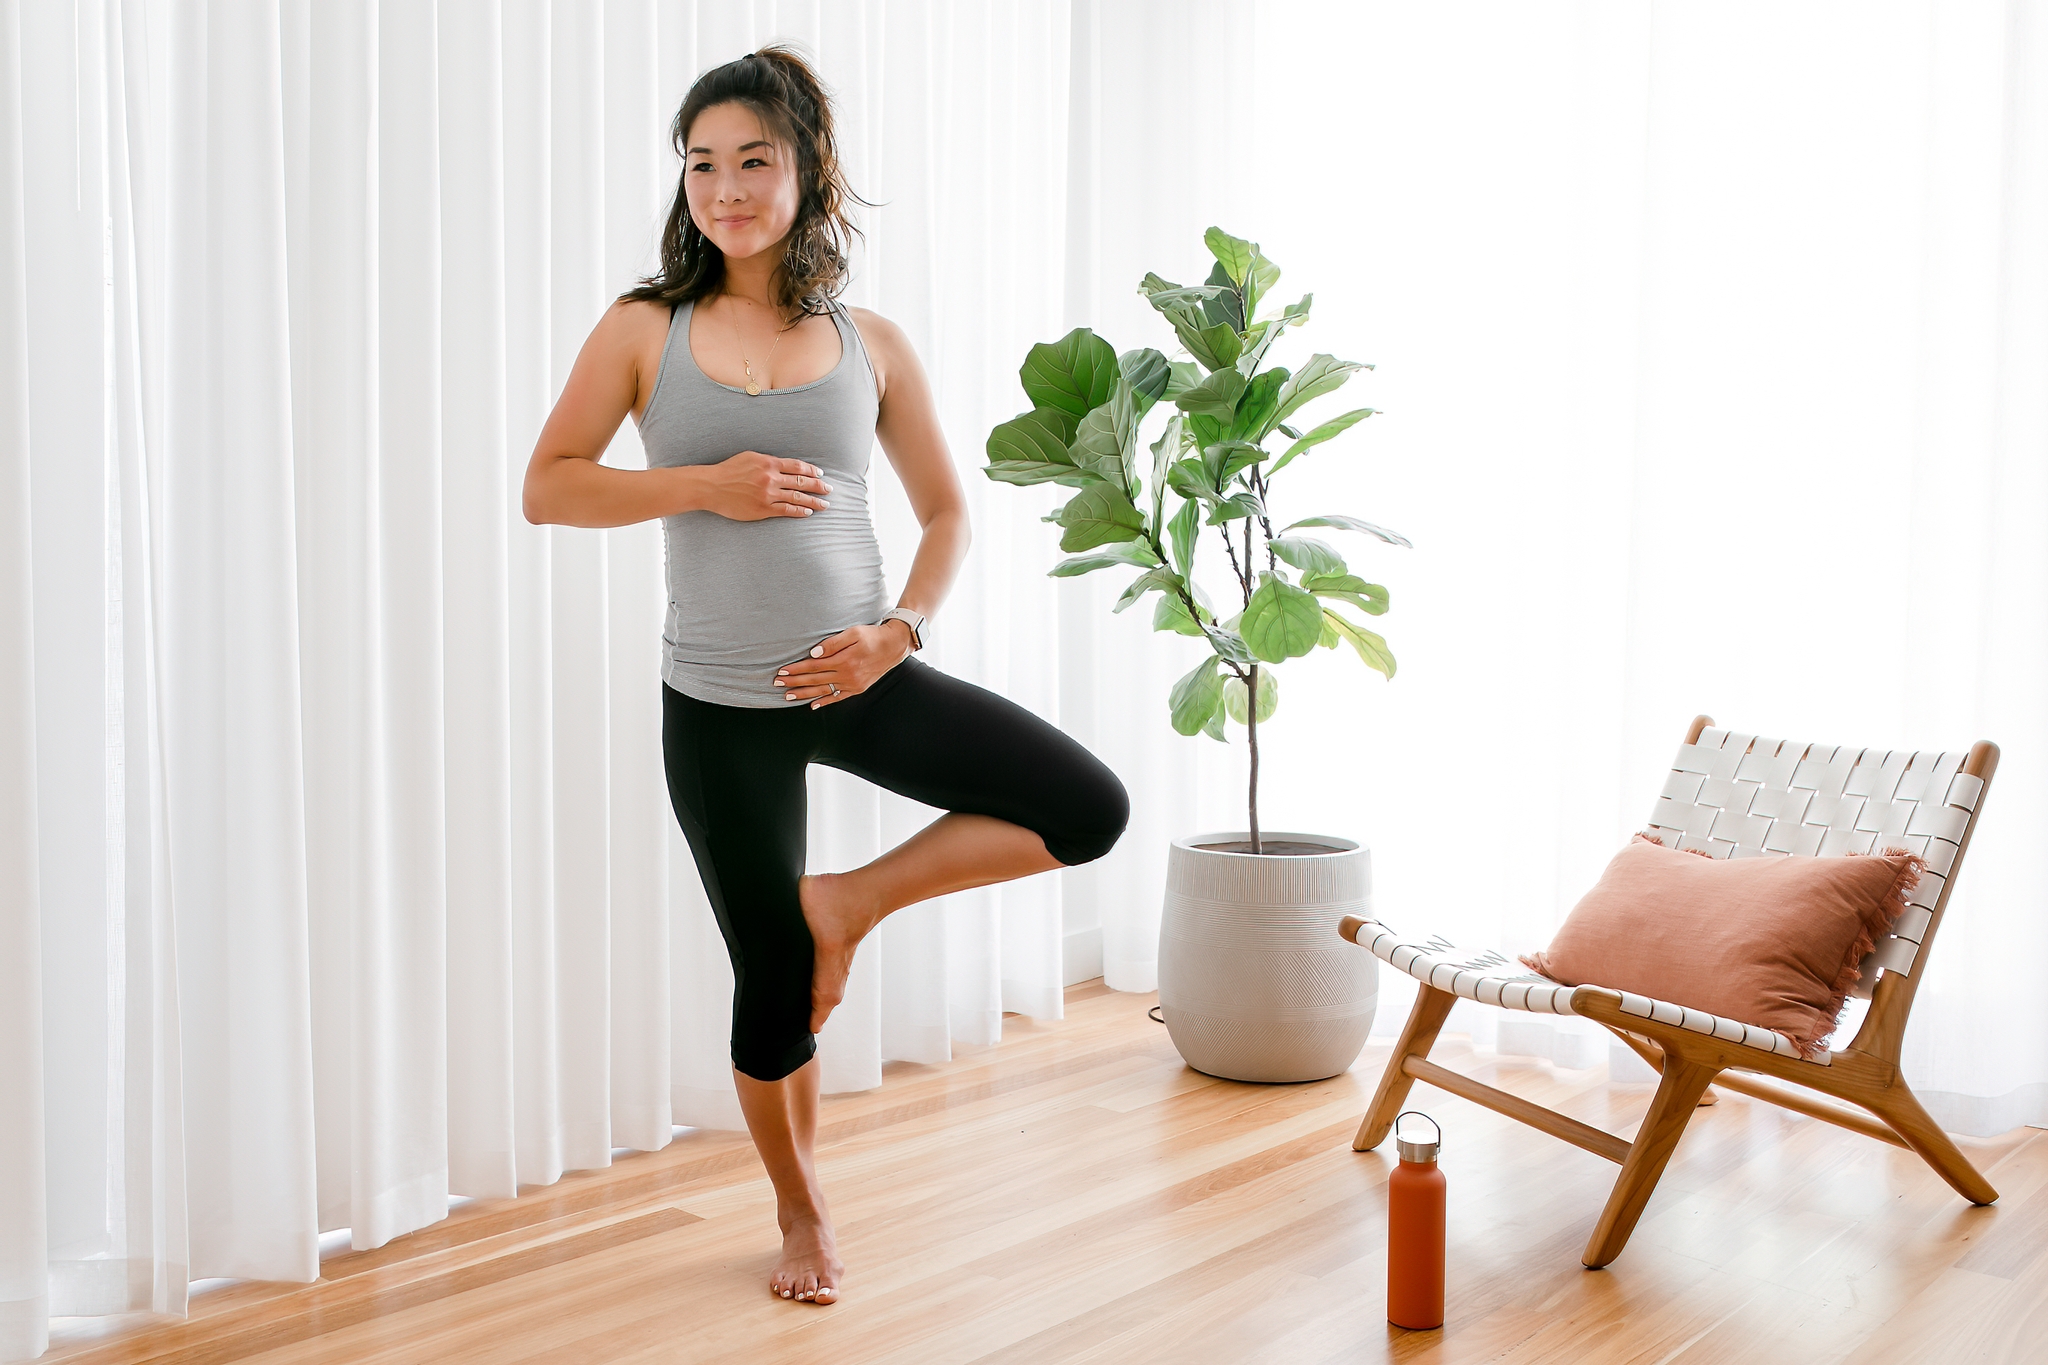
(753, 161)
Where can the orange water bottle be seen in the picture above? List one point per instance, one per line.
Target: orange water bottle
(1415, 1231)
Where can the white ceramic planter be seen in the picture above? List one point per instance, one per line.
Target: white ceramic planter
(1254, 983)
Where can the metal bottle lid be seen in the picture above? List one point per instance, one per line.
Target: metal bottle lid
(1409, 1148)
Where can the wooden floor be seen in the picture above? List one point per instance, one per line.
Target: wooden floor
(1077, 1194)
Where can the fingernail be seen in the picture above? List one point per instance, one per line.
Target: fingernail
(817, 650)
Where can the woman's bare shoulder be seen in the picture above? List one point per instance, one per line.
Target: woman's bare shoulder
(888, 345)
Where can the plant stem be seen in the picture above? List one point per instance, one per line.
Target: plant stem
(1265, 522)
(1251, 732)
(1244, 582)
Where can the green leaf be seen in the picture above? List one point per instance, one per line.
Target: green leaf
(1262, 276)
(1269, 696)
(1281, 621)
(1214, 729)
(1099, 514)
(1215, 396)
(1191, 480)
(1170, 612)
(1196, 697)
(1336, 426)
(1234, 254)
(1204, 431)
(1296, 313)
(1215, 346)
(1164, 293)
(1127, 552)
(1256, 411)
(1163, 451)
(1371, 648)
(1227, 459)
(1147, 372)
(1239, 505)
(1073, 374)
(1152, 580)
(1029, 448)
(1228, 643)
(1226, 306)
(1353, 524)
(1319, 375)
(1370, 598)
(1108, 436)
(1328, 639)
(1309, 555)
(1180, 534)
(1182, 376)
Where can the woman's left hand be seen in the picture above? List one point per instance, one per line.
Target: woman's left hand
(844, 665)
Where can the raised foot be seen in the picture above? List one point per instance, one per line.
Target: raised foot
(838, 923)
(809, 1270)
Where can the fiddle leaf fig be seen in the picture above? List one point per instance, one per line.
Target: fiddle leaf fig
(1099, 514)
(1032, 448)
(1209, 466)
(1309, 555)
(1073, 374)
(1370, 598)
(1281, 621)
(1353, 524)
(1371, 648)
(1269, 696)
(1196, 696)
(1336, 426)
(1127, 552)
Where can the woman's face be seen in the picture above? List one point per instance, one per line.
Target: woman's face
(740, 184)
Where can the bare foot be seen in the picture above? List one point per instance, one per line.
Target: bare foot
(838, 923)
(809, 1269)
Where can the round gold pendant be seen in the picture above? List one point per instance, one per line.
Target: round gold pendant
(752, 388)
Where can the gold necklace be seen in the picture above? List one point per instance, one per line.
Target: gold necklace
(753, 384)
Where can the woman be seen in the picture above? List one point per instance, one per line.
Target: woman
(758, 398)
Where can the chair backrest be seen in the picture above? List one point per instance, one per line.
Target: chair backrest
(1732, 795)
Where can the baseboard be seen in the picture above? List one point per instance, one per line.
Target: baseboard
(1081, 956)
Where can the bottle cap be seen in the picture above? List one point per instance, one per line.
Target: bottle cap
(1412, 1150)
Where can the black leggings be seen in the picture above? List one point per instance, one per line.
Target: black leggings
(736, 780)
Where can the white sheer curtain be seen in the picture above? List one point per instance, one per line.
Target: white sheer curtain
(1713, 347)
(358, 882)
(336, 872)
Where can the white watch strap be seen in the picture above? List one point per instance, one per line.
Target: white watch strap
(918, 624)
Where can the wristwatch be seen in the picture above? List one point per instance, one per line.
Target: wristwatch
(917, 624)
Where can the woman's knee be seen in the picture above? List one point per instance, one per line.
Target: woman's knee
(771, 1003)
(1092, 817)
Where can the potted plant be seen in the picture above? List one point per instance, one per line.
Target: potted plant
(1254, 983)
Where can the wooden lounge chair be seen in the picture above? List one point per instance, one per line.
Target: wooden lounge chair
(1732, 796)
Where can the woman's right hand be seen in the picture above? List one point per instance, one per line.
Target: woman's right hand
(751, 486)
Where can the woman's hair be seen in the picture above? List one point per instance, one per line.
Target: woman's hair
(785, 93)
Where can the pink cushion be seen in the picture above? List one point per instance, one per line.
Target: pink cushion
(1768, 941)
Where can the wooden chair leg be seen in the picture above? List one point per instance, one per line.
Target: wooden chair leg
(1902, 1113)
(1678, 1091)
(1432, 1006)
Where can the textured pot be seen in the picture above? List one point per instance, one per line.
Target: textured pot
(1254, 982)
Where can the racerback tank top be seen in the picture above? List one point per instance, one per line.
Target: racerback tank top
(746, 597)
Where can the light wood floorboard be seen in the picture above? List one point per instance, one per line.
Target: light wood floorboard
(1079, 1195)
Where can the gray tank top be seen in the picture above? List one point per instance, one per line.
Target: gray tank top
(746, 597)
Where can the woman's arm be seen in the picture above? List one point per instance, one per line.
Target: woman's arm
(916, 446)
(909, 431)
(612, 376)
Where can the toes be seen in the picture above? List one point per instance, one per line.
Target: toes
(826, 1293)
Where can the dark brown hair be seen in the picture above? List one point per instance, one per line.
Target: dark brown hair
(785, 93)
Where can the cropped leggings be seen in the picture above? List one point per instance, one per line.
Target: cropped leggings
(736, 780)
